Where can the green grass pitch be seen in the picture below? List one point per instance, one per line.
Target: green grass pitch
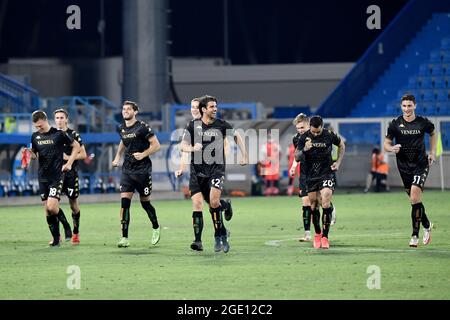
(266, 260)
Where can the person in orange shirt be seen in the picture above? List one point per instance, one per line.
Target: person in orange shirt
(371, 177)
(382, 171)
(271, 167)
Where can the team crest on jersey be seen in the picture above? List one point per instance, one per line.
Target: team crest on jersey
(198, 127)
(38, 137)
(401, 125)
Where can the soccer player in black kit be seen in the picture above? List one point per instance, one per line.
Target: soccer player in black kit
(204, 138)
(138, 142)
(48, 145)
(70, 183)
(197, 199)
(316, 145)
(408, 131)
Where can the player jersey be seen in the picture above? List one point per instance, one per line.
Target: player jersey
(49, 147)
(318, 159)
(135, 139)
(411, 137)
(68, 148)
(206, 162)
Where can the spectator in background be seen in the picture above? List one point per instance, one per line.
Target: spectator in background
(382, 171)
(371, 177)
(271, 167)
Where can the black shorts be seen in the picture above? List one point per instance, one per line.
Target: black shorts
(303, 192)
(140, 182)
(70, 185)
(418, 179)
(204, 184)
(50, 189)
(326, 181)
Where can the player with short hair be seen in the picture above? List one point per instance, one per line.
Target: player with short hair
(301, 123)
(70, 182)
(138, 142)
(316, 145)
(48, 145)
(408, 131)
(197, 199)
(204, 138)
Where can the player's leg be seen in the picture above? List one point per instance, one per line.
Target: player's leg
(326, 194)
(126, 194)
(125, 199)
(67, 189)
(144, 187)
(52, 208)
(51, 197)
(227, 209)
(220, 232)
(72, 191)
(197, 210)
(307, 214)
(76, 213)
(313, 198)
(197, 221)
(418, 215)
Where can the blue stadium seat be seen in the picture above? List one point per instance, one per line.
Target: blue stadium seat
(424, 69)
(427, 95)
(413, 82)
(435, 56)
(421, 69)
(445, 55)
(445, 69)
(438, 83)
(437, 69)
(442, 95)
(426, 83)
(447, 82)
(441, 108)
(445, 43)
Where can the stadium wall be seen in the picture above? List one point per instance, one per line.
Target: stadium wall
(272, 85)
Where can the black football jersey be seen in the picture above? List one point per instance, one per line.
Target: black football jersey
(136, 139)
(318, 159)
(207, 162)
(68, 148)
(295, 141)
(50, 148)
(411, 137)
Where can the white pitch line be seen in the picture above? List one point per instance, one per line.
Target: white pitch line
(277, 243)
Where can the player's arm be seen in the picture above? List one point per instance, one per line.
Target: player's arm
(293, 167)
(75, 150)
(82, 153)
(154, 147)
(183, 162)
(240, 142)
(80, 156)
(119, 153)
(186, 140)
(388, 147)
(433, 143)
(185, 146)
(341, 152)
